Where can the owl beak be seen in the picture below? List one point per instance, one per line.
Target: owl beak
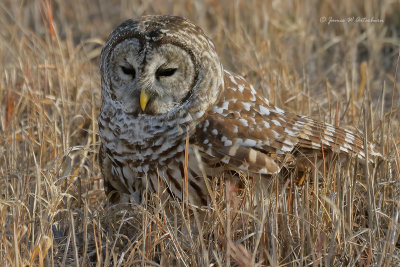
(144, 98)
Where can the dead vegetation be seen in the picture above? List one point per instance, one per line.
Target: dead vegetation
(52, 207)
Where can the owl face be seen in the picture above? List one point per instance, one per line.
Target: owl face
(151, 79)
(155, 67)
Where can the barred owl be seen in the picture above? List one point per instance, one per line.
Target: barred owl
(162, 85)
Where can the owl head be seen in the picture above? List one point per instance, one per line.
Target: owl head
(157, 65)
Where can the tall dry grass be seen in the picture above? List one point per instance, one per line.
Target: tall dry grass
(52, 207)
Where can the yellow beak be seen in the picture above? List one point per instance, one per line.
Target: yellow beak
(144, 98)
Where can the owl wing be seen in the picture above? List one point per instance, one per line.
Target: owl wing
(245, 132)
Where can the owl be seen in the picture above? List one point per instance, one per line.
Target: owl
(169, 107)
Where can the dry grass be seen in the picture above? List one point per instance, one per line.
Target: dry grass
(52, 207)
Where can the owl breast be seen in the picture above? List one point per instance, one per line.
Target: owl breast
(142, 148)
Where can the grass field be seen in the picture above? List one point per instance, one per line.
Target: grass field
(53, 211)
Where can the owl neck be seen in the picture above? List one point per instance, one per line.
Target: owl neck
(145, 138)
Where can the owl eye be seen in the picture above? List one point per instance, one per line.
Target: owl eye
(165, 72)
(129, 71)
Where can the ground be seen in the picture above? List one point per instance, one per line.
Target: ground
(335, 61)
